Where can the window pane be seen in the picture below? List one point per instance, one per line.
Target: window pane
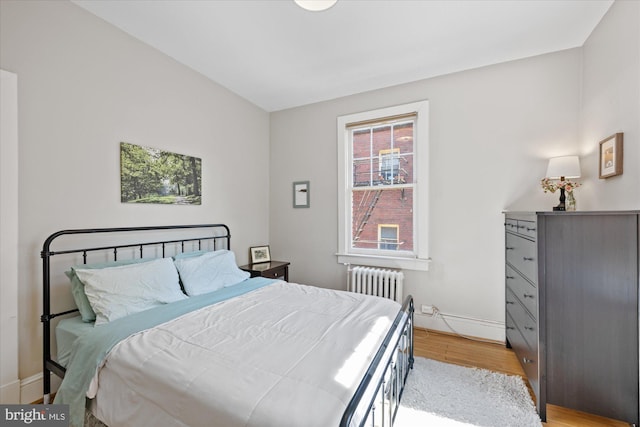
(382, 150)
(383, 205)
(362, 162)
(403, 142)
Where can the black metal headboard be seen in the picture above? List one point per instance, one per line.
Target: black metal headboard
(215, 236)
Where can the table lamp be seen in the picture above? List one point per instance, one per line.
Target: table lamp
(561, 168)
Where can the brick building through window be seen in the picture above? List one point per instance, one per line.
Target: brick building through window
(383, 181)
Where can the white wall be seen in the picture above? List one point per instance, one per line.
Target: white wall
(85, 86)
(492, 130)
(9, 384)
(610, 104)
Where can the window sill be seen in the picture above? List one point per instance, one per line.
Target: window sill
(418, 264)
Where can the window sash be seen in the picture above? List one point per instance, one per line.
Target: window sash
(361, 240)
(374, 162)
(379, 161)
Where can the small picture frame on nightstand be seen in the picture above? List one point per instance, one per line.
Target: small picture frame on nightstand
(258, 254)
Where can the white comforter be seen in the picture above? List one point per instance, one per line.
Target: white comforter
(283, 355)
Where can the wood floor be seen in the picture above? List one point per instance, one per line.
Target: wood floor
(496, 357)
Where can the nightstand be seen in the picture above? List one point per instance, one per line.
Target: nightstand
(270, 269)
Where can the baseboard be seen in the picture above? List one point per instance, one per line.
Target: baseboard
(462, 325)
(10, 393)
(31, 388)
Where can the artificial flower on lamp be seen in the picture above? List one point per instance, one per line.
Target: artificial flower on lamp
(561, 168)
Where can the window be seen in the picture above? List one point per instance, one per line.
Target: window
(388, 236)
(389, 163)
(383, 161)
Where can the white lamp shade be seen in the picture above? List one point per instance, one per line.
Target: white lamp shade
(565, 166)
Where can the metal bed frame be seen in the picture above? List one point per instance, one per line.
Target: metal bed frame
(389, 367)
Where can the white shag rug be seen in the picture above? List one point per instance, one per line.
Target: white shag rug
(444, 395)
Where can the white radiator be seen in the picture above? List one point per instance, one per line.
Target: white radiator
(376, 281)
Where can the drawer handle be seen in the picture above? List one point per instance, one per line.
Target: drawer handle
(531, 229)
(528, 259)
(529, 296)
(509, 248)
(511, 328)
(510, 302)
(510, 277)
(526, 361)
(529, 328)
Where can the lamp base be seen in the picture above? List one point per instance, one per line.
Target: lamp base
(560, 206)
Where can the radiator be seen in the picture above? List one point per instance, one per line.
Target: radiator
(376, 281)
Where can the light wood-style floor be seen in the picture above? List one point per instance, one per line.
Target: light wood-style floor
(496, 357)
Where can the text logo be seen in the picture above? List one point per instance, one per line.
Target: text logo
(34, 415)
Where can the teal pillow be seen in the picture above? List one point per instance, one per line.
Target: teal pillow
(77, 287)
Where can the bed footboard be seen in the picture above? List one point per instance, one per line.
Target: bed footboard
(377, 399)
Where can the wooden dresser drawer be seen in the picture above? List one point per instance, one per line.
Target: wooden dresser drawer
(524, 290)
(523, 227)
(527, 228)
(526, 324)
(511, 225)
(521, 253)
(527, 357)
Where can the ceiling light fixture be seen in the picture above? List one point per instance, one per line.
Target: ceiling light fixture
(315, 5)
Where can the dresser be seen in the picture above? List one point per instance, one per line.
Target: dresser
(572, 308)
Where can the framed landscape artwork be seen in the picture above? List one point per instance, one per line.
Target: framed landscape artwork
(150, 175)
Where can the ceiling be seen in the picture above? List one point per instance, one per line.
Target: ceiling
(278, 55)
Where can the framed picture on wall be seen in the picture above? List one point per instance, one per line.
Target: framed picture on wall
(151, 175)
(301, 194)
(258, 254)
(611, 156)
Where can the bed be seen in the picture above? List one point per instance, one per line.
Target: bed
(180, 336)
